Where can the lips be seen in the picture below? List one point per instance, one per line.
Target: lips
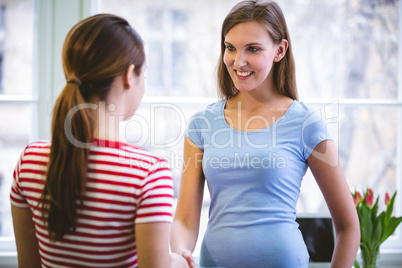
(243, 74)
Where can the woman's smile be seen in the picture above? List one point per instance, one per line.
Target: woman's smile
(243, 75)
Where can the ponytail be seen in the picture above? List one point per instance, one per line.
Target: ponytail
(96, 51)
(68, 162)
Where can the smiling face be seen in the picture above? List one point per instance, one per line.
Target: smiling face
(249, 56)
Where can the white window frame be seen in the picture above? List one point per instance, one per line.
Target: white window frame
(53, 20)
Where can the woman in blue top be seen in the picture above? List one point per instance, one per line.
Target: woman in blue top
(253, 148)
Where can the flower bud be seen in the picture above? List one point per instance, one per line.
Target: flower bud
(387, 199)
(370, 191)
(359, 197)
(369, 200)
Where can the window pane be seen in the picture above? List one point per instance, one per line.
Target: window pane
(155, 19)
(179, 64)
(15, 132)
(344, 49)
(367, 146)
(16, 46)
(154, 78)
(180, 22)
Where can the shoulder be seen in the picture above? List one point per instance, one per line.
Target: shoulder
(33, 159)
(122, 154)
(313, 126)
(210, 112)
(301, 108)
(305, 113)
(37, 148)
(156, 169)
(212, 109)
(139, 153)
(142, 154)
(204, 118)
(40, 144)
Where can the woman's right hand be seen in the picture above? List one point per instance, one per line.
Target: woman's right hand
(189, 258)
(177, 261)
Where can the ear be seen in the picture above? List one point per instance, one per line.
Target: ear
(281, 51)
(129, 77)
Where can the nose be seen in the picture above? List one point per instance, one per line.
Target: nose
(240, 60)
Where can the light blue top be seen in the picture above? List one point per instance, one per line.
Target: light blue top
(254, 179)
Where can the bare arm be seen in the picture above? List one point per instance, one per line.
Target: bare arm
(153, 246)
(325, 166)
(185, 226)
(25, 238)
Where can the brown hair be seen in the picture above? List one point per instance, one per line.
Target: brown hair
(95, 51)
(270, 15)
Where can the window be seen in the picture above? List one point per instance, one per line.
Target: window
(17, 103)
(16, 95)
(31, 37)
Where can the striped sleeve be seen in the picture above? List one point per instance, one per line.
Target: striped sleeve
(16, 196)
(155, 203)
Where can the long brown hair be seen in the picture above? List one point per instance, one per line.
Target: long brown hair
(95, 51)
(270, 15)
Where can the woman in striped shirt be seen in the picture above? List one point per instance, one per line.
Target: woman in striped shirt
(85, 199)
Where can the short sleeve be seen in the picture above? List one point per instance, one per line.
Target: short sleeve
(198, 124)
(156, 198)
(16, 195)
(314, 131)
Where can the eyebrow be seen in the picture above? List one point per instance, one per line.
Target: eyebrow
(247, 45)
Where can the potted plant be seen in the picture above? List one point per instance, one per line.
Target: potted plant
(374, 228)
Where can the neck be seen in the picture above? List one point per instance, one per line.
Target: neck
(108, 123)
(256, 99)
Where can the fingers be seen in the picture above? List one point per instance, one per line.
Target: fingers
(177, 261)
(189, 258)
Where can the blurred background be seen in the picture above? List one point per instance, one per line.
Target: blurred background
(348, 65)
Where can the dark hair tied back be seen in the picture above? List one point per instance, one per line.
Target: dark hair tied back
(74, 80)
(95, 52)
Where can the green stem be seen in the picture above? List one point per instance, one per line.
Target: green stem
(369, 258)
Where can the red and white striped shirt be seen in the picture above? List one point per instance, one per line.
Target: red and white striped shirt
(125, 186)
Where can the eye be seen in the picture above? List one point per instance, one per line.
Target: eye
(253, 49)
(230, 48)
